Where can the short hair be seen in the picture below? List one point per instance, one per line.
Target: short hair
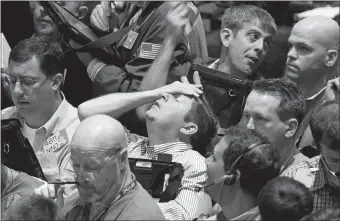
(47, 51)
(329, 214)
(34, 207)
(284, 199)
(258, 165)
(292, 103)
(33, 4)
(207, 124)
(236, 16)
(325, 121)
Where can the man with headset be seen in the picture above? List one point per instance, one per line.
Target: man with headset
(240, 166)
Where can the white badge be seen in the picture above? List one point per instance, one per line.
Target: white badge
(56, 141)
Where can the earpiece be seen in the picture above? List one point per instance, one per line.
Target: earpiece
(230, 177)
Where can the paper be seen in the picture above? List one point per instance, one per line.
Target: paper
(56, 141)
(5, 50)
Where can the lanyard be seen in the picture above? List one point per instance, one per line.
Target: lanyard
(124, 191)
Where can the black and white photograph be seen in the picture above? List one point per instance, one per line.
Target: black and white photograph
(170, 110)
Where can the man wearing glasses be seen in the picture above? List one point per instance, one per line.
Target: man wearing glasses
(321, 174)
(107, 188)
(48, 120)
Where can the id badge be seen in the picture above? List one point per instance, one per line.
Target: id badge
(56, 141)
(130, 40)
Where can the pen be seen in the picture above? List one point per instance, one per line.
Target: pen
(62, 183)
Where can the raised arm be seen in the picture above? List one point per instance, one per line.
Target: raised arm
(127, 75)
(157, 75)
(117, 104)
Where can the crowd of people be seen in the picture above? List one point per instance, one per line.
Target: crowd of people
(279, 161)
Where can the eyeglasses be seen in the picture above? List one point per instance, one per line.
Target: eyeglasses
(25, 84)
(89, 177)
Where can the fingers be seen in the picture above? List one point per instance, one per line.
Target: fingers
(60, 197)
(332, 91)
(184, 80)
(178, 18)
(106, 7)
(335, 84)
(180, 13)
(51, 191)
(189, 89)
(197, 81)
(3, 76)
(197, 78)
(100, 16)
(46, 190)
(3, 70)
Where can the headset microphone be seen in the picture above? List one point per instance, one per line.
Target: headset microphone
(220, 179)
(230, 177)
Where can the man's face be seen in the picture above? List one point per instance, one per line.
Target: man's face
(43, 24)
(34, 92)
(248, 48)
(215, 169)
(97, 174)
(305, 61)
(169, 111)
(260, 113)
(331, 156)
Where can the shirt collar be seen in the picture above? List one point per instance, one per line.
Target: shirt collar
(317, 95)
(214, 65)
(252, 213)
(320, 179)
(53, 123)
(289, 158)
(171, 148)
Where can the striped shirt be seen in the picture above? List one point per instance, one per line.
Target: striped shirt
(188, 199)
(311, 174)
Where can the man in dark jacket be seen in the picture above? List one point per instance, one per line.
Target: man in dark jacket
(137, 50)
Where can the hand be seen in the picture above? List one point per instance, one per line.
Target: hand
(100, 16)
(3, 73)
(183, 87)
(5, 84)
(333, 90)
(197, 78)
(178, 20)
(51, 191)
(74, 44)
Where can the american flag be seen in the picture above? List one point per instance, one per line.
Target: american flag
(149, 50)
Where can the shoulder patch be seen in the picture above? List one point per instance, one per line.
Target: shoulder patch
(149, 50)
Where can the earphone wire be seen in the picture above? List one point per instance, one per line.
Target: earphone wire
(238, 159)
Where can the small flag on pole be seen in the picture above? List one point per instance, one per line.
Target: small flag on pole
(149, 50)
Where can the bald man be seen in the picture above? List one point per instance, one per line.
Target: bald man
(312, 61)
(107, 188)
(313, 55)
